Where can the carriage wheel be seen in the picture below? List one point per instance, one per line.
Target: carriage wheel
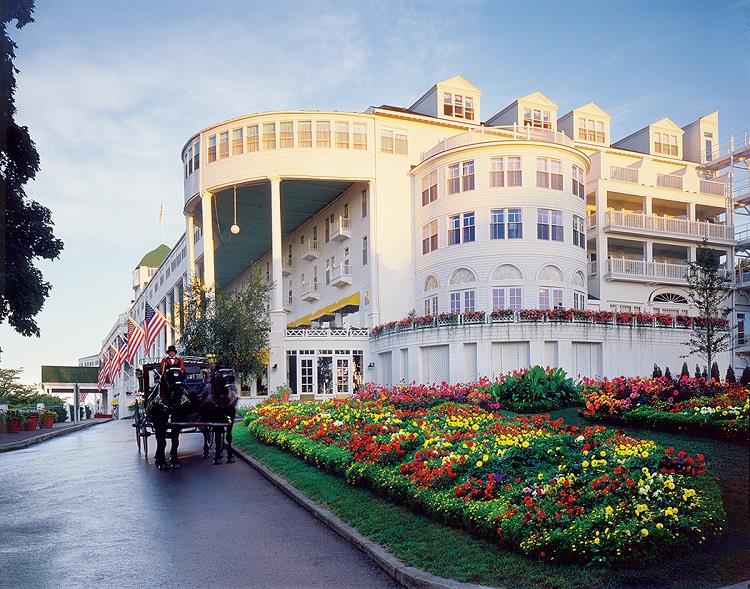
(145, 442)
(137, 424)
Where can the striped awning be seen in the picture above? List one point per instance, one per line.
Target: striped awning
(351, 300)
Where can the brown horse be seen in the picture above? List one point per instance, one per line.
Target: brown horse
(217, 403)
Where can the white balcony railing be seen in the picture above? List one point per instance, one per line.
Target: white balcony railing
(651, 271)
(342, 229)
(310, 291)
(490, 134)
(592, 221)
(310, 250)
(669, 181)
(671, 225)
(623, 174)
(347, 332)
(341, 275)
(743, 278)
(712, 187)
(593, 268)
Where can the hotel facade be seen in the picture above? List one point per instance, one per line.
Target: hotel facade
(393, 214)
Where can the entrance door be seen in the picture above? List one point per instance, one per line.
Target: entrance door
(343, 376)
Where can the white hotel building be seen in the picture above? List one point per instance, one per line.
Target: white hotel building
(360, 219)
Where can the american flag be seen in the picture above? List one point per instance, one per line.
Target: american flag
(152, 325)
(82, 396)
(135, 338)
(109, 365)
(122, 348)
(102, 375)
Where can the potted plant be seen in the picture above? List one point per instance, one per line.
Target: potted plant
(13, 420)
(46, 419)
(32, 421)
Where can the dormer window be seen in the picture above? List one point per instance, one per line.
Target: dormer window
(665, 143)
(459, 106)
(537, 118)
(590, 130)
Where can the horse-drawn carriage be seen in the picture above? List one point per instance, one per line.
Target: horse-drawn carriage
(200, 399)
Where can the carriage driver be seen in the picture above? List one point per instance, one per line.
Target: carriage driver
(171, 359)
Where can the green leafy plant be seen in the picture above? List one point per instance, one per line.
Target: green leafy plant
(536, 389)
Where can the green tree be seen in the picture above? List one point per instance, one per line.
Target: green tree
(15, 393)
(710, 288)
(25, 225)
(233, 325)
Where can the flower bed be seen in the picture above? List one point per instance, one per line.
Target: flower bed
(695, 405)
(555, 492)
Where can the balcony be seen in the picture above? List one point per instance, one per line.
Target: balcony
(712, 187)
(341, 275)
(310, 250)
(593, 268)
(310, 292)
(288, 306)
(341, 230)
(644, 271)
(638, 223)
(623, 174)
(286, 266)
(669, 181)
(742, 278)
(743, 237)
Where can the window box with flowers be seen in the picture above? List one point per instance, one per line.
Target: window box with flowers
(560, 314)
(624, 318)
(424, 321)
(603, 317)
(663, 320)
(644, 319)
(404, 324)
(470, 317)
(447, 319)
(502, 315)
(582, 315)
(531, 314)
(684, 321)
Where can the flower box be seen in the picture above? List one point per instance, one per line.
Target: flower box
(447, 319)
(531, 314)
(502, 315)
(473, 317)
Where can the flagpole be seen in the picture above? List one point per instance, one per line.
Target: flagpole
(161, 221)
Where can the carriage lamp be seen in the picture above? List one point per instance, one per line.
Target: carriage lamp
(235, 229)
(211, 357)
(371, 365)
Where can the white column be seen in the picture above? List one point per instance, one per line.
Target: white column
(176, 309)
(209, 275)
(168, 307)
(373, 316)
(277, 356)
(190, 238)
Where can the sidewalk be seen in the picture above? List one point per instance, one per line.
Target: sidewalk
(24, 439)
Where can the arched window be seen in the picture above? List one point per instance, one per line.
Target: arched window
(669, 297)
(579, 280)
(550, 273)
(462, 276)
(462, 296)
(506, 272)
(431, 283)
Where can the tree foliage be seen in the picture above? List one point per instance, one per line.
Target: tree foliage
(15, 393)
(709, 292)
(233, 325)
(25, 225)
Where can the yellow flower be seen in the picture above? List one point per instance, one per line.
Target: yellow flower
(485, 457)
(644, 455)
(660, 525)
(479, 463)
(585, 464)
(596, 540)
(644, 532)
(525, 444)
(608, 510)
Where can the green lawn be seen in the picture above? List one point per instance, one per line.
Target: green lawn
(456, 554)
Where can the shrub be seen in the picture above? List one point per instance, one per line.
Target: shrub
(730, 377)
(535, 389)
(685, 370)
(745, 378)
(715, 374)
(668, 374)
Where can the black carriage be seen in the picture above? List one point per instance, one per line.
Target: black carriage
(197, 372)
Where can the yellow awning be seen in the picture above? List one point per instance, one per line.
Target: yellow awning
(352, 299)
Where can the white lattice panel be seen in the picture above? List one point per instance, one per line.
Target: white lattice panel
(435, 364)
(470, 362)
(507, 356)
(550, 354)
(587, 359)
(386, 368)
(405, 364)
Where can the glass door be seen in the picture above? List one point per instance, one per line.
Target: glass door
(343, 376)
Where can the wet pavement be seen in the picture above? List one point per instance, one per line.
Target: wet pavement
(86, 510)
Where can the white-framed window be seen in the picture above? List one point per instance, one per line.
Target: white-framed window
(463, 301)
(386, 140)
(431, 305)
(359, 136)
(537, 118)
(578, 181)
(401, 142)
(458, 106)
(342, 134)
(542, 172)
(346, 210)
(196, 155)
(448, 104)
(364, 251)
(290, 294)
(579, 231)
(599, 131)
(306, 375)
(454, 179)
(269, 136)
(328, 230)
(513, 171)
(497, 172)
(286, 134)
(429, 237)
(237, 141)
(461, 228)
(469, 109)
(322, 133)
(549, 173)
(429, 188)
(506, 224)
(556, 176)
(741, 334)
(253, 139)
(304, 133)
(223, 145)
(364, 204)
(549, 225)
(550, 297)
(579, 300)
(665, 143)
(467, 175)
(507, 297)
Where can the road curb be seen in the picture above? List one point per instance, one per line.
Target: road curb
(407, 576)
(48, 436)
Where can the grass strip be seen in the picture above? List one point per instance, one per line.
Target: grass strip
(454, 553)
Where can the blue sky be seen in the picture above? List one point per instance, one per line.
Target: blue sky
(112, 90)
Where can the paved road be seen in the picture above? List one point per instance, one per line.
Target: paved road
(85, 510)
